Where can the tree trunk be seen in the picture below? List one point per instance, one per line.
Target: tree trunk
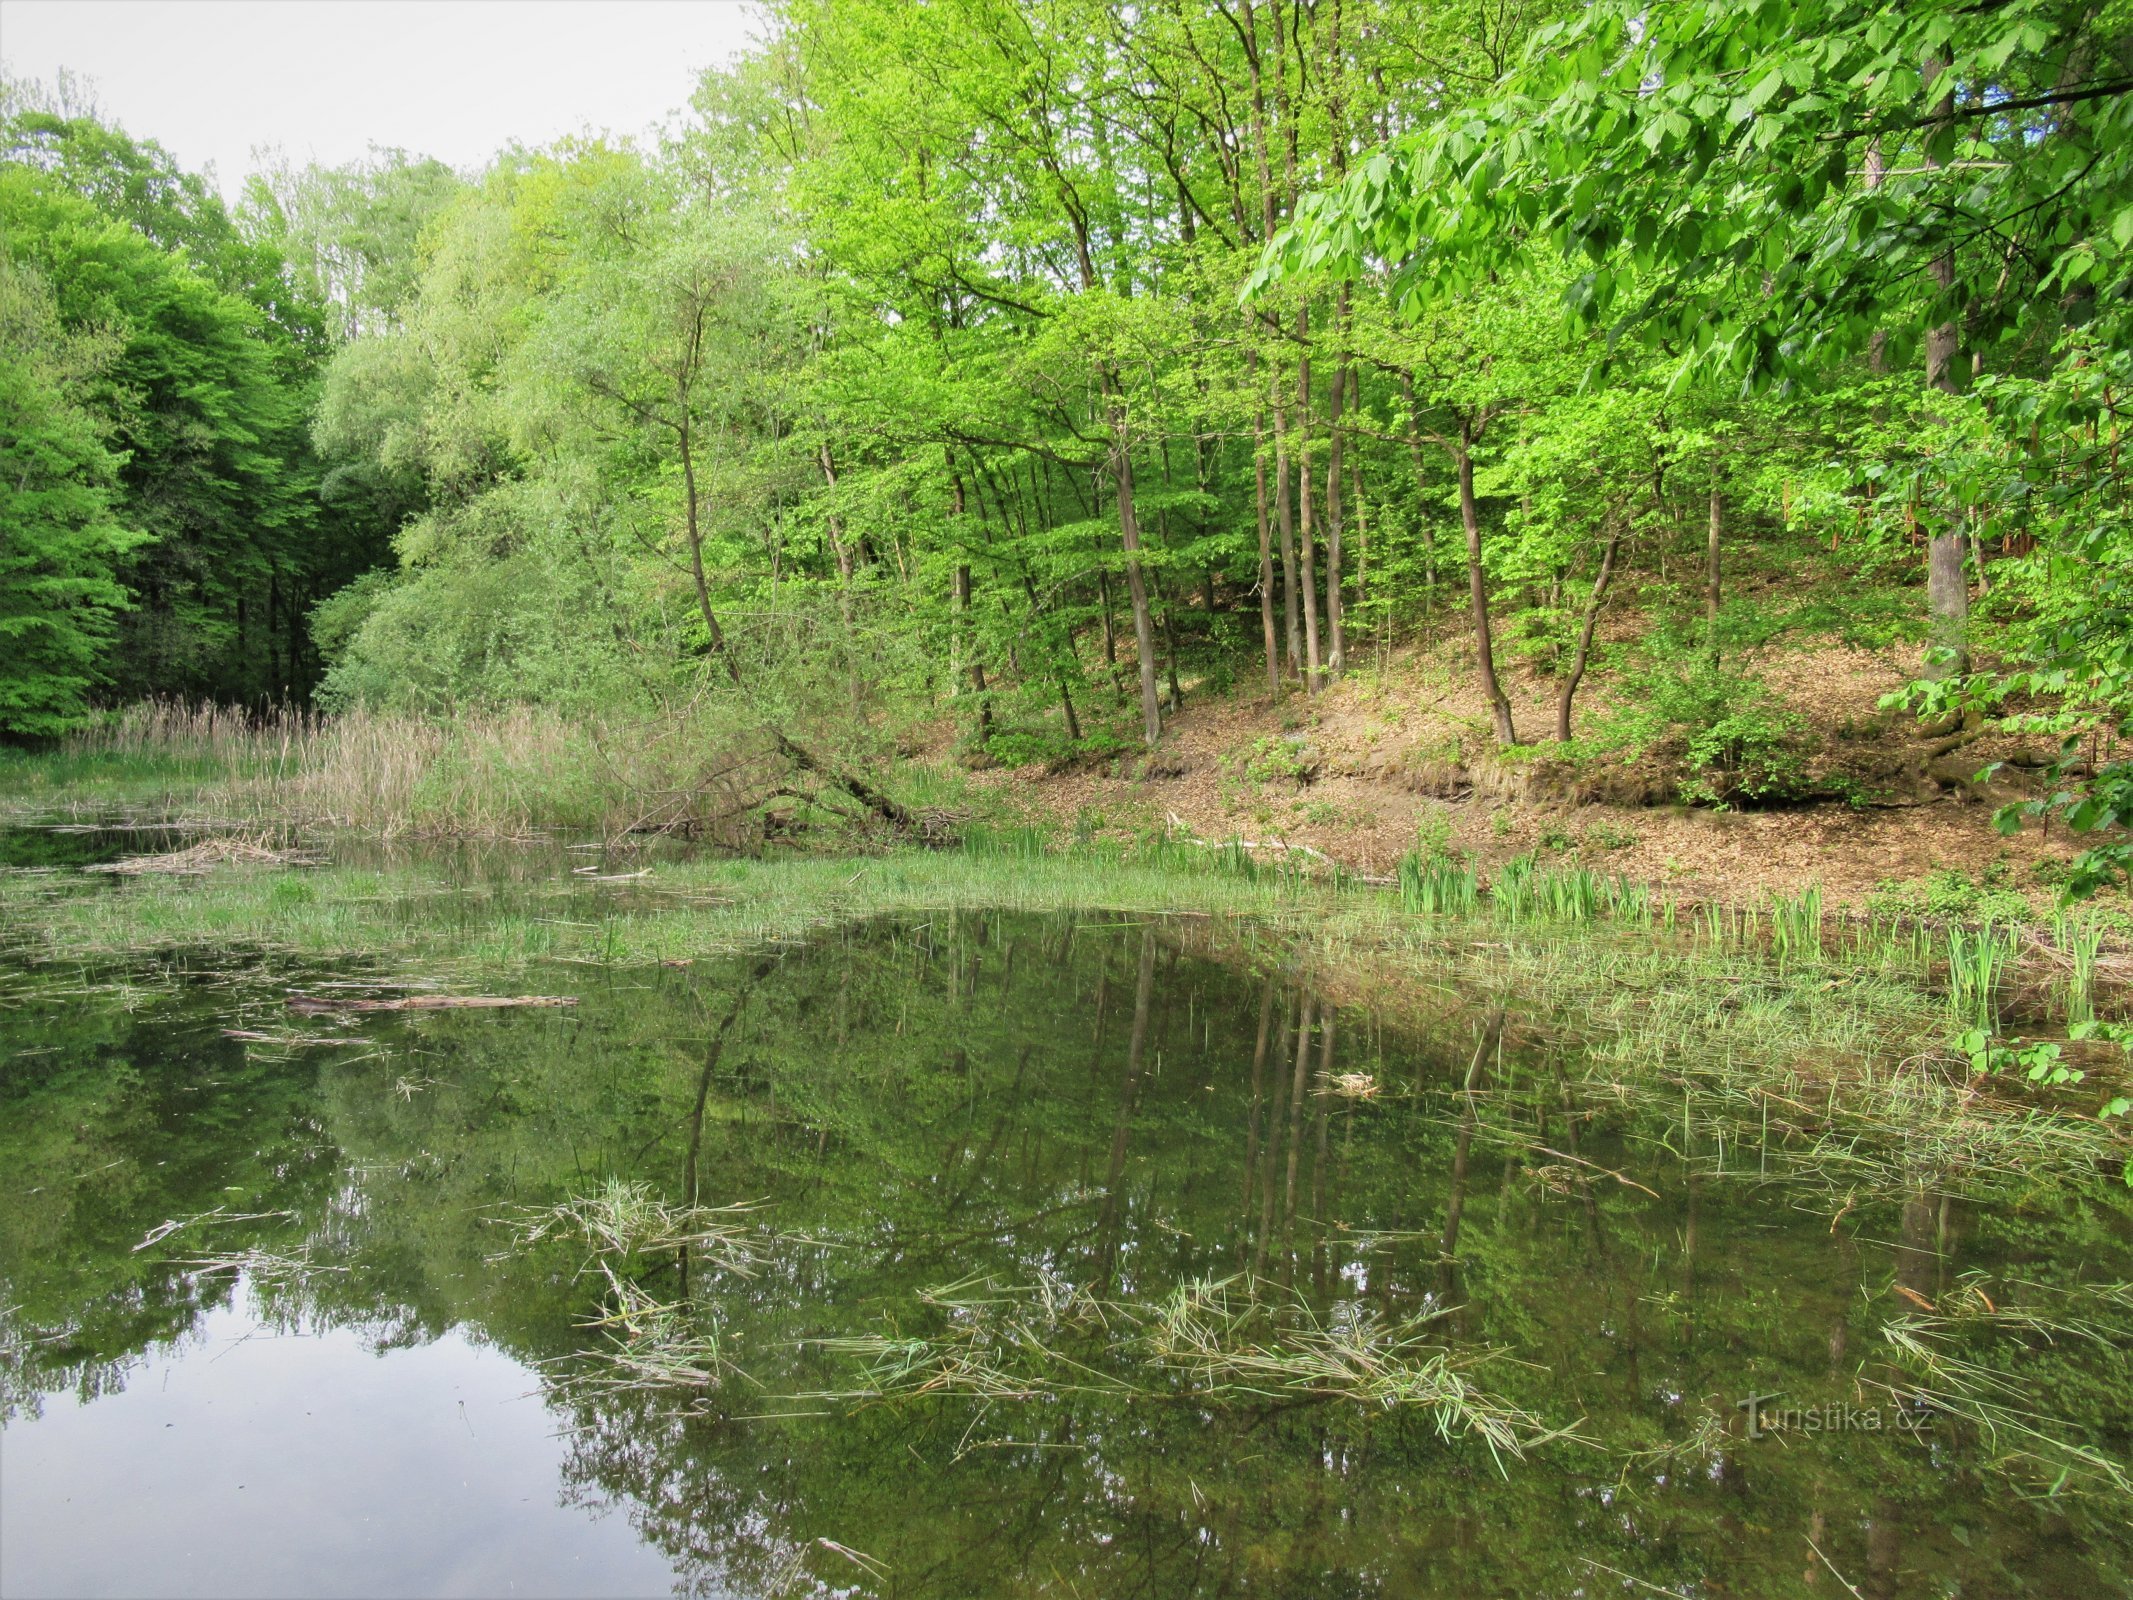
(1129, 533)
(1710, 574)
(962, 620)
(1044, 622)
(694, 531)
(1947, 589)
(835, 525)
(1285, 519)
(1478, 592)
(1268, 214)
(1414, 451)
(1584, 647)
(1336, 644)
(977, 666)
(1306, 558)
(1266, 560)
(857, 787)
(1362, 535)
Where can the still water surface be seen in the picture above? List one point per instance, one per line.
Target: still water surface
(347, 1376)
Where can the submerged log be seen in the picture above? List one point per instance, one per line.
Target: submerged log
(430, 1002)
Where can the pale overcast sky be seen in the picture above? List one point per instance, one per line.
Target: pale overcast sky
(325, 79)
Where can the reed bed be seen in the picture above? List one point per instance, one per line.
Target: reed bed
(506, 772)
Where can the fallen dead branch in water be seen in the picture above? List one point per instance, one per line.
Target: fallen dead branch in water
(198, 860)
(312, 1003)
(260, 1266)
(163, 1230)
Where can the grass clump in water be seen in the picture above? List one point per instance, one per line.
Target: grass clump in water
(1986, 1364)
(621, 1221)
(1212, 1341)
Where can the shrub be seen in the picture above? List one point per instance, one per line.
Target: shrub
(1737, 744)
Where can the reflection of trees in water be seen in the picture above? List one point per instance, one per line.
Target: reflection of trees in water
(1005, 1097)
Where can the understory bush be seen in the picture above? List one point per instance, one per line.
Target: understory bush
(1730, 741)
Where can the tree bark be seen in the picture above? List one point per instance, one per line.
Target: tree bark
(694, 531)
(1129, 533)
(1266, 560)
(1336, 642)
(1362, 534)
(1583, 652)
(1947, 589)
(977, 665)
(1306, 558)
(1285, 518)
(1414, 452)
(1268, 215)
(835, 525)
(1710, 573)
(857, 787)
(1044, 621)
(962, 615)
(1478, 592)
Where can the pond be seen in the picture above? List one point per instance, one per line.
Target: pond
(993, 1255)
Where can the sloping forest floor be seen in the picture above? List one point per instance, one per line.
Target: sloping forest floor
(1399, 751)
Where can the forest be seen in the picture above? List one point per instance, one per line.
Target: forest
(1019, 367)
(1294, 797)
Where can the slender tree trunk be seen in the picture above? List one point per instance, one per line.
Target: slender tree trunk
(1355, 487)
(1336, 644)
(1285, 518)
(1478, 591)
(835, 524)
(1306, 558)
(1044, 623)
(1414, 452)
(977, 665)
(694, 530)
(1333, 72)
(1266, 559)
(1583, 652)
(1129, 532)
(1947, 589)
(1164, 611)
(963, 622)
(1874, 171)
(1268, 215)
(1710, 573)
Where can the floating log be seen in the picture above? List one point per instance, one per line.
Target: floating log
(430, 1002)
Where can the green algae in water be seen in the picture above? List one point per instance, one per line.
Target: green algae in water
(1215, 1253)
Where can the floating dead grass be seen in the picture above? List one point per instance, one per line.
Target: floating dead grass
(620, 1220)
(1212, 1341)
(198, 860)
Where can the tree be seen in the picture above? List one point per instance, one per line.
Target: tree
(60, 541)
